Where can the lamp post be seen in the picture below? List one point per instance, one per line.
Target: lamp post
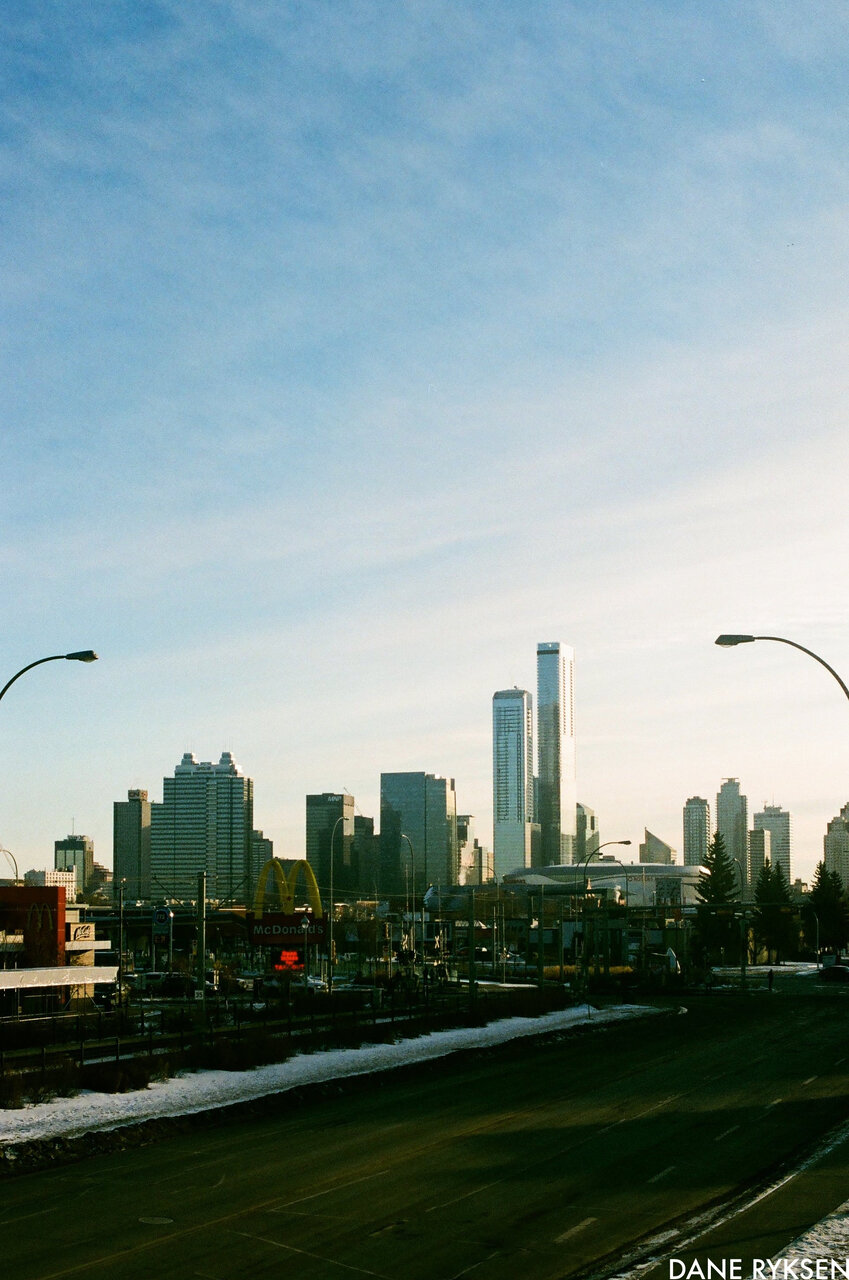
(83, 655)
(341, 818)
(586, 863)
(728, 642)
(305, 925)
(404, 836)
(744, 933)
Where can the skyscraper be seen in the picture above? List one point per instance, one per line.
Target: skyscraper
(204, 823)
(779, 824)
(732, 819)
(75, 852)
(760, 852)
(512, 779)
(131, 845)
(423, 807)
(696, 831)
(653, 849)
(558, 793)
(323, 813)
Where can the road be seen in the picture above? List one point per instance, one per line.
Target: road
(537, 1160)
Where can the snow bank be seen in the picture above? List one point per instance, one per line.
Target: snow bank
(204, 1090)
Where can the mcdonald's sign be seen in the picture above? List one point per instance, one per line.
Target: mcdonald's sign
(284, 927)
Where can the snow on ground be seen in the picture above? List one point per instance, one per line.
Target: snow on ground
(204, 1090)
(827, 1239)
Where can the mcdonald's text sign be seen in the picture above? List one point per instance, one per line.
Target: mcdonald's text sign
(276, 929)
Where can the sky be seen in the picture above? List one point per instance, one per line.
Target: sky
(349, 350)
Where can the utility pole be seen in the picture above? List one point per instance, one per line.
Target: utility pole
(201, 945)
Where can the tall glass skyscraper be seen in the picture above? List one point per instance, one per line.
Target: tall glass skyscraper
(512, 780)
(423, 807)
(732, 819)
(779, 824)
(696, 831)
(558, 792)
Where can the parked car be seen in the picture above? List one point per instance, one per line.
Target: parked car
(834, 973)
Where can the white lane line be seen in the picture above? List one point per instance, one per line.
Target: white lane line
(305, 1253)
(446, 1204)
(770, 1105)
(657, 1177)
(6, 1222)
(639, 1115)
(733, 1129)
(339, 1186)
(475, 1265)
(810, 1080)
(574, 1230)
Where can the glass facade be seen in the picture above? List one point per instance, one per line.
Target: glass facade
(423, 807)
(512, 779)
(558, 797)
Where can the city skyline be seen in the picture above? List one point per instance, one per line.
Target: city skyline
(344, 363)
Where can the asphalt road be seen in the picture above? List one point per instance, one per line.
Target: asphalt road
(535, 1161)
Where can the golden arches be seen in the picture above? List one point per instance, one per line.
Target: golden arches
(284, 882)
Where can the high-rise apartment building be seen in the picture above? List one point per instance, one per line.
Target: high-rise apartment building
(204, 823)
(512, 780)
(131, 846)
(324, 812)
(696, 831)
(75, 852)
(779, 824)
(732, 819)
(836, 845)
(422, 807)
(558, 793)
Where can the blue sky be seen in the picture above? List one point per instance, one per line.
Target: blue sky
(350, 349)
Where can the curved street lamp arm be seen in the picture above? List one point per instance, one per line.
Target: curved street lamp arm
(811, 654)
(53, 658)
(84, 655)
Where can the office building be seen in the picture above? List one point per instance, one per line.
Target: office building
(696, 831)
(779, 824)
(328, 813)
(512, 780)
(53, 879)
(732, 819)
(75, 852)
(655, 850)
(558, 798)
(366, 856)
(587, 836)
(760, 853)
(423, 808)
(836, 846)
(204, 823)
(131, 846)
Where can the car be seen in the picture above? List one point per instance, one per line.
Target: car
(834, 973)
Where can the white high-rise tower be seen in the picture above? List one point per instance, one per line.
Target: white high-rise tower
(558, 791)
(512, 780)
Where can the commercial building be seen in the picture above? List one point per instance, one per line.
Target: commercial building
(423, 808)
(514, 830)
(779, 824)
(558, 798)
(53, 879)
(324, 811)
(204, 823)
(732, 819)
(587, 835)
(656, 851)
(696, 831)
(75, 853)
(131, 846)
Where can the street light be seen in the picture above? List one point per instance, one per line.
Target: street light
(341, 818)
(728, 642)
(403, 836)
(83, 655)
(586, 863)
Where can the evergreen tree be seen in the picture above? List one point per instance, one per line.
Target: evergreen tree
(828, 903)
(776, 923)
(717, 937)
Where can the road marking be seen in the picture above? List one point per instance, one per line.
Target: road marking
(305, 1253)
(574, 1230)
(810, 1080)
(466, 1196)
(770, 1105)
(657, 1177)
(475, 1265)
(839, 1062)
(639, 1115)
(35, 1214)
(733, 1129)
(339, 1186)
